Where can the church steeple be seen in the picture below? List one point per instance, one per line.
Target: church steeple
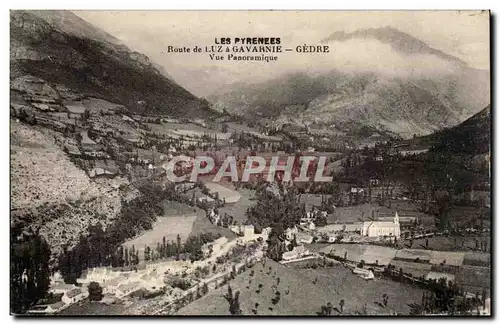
(396, 218)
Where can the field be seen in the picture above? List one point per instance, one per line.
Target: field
(323, 286)
(448, 258)
(379, 255)
(203, 225)
(354, 252)
(415, 269)
(364, 212)
(467, 216)
(413, 254)
(369, 253)
(200, 224)
(311, 200)
(168, 227)
(470, 269)
(474, 279)
(235, 127)
(451, 243)
(86, 308)
(477, 259)
(179, 218)
(185, 129)
(357, 292)
(238, 209)
(231, 196)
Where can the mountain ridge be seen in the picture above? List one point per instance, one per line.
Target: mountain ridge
(397, 39)
(95, 64)
(406, 104)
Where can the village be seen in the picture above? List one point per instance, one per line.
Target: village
(367, 248)
(369, 226)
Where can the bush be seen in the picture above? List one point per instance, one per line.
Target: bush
(95, 291)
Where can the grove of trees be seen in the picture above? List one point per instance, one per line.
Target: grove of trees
(29, 269)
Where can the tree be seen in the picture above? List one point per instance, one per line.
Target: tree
(85, 116)
(29, 269)
(329, 308)
(179, 245)
(385, 298)
(95, 291)
(233, 271)
(275, 248)
(234, 302)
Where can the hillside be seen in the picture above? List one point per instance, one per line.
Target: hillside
(303, 291)
(61, 48)
(406, 98)
(70, 85)
(473, 136)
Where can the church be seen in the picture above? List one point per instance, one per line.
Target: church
(382, 228)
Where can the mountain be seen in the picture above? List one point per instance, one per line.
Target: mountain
(61, 48)
(398, 40)
(473, 136)
(428, 91)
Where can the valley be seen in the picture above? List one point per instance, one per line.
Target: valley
(99, 226)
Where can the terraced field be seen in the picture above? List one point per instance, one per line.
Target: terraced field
(470, 270)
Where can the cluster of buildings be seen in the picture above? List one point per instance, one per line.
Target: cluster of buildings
(61, 296)
(117, 283)
(365, 230)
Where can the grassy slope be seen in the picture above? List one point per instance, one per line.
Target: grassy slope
(305, 297)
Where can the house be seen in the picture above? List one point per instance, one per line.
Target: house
(128, 288)
(61, 288)
(72, 296)
(205, 198)
(233, 228)
(306, 239)
(332, 238)
(291, 232)
(382, 228)
(363, 273)
(48, 309)
(112, 285)
(297, 252)
(265, 232)
(248, 231)
(97, 274)
(152, 282)
(213, 247)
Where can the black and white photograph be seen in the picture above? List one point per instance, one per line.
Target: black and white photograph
(250, 163)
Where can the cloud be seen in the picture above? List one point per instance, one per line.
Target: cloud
(149, 32)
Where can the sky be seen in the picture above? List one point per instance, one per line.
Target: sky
(464, 34)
